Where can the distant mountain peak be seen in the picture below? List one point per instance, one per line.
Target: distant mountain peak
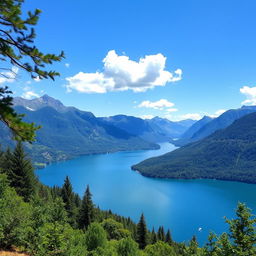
(37, 103)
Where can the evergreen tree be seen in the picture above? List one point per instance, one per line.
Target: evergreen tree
(153, 236)
(142, 232)
(87, 211)
(6, 161)
(68, 198)
(168, 237)
(161, 234)
(192, 247)
(21, 175)
(243, 231)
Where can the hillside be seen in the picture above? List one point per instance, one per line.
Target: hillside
(228, 154)
(67, 132)
(211, 126)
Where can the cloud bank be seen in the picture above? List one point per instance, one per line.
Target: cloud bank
(250, 94)
(9, 76)
(160, 104)
(122, 74)
(30, 95)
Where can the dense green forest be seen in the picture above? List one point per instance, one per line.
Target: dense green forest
(40, 220)
(228, 154)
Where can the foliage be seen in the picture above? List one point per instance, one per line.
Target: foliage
(95, 236)
(87, 212)
(41, 227)
(17, 48)
(21, 173)
(14, 216)
(243, 232)
(115, 230)
(127, 247)
(159, 249)
(142, 233)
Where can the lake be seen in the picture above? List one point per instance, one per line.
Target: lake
(184, 206)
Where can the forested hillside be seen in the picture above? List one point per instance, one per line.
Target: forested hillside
(67, 132)
(38, 220)
(228, 154)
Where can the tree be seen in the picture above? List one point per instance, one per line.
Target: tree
(21, 175)
(127, 247)
(17, 48)
(153, 236)
(68, 198)
(96, 236)
(192, 248)
(168, 237)
(6, 162)
(142, 232)
(243, 231)
(87, 211)
(159, 249)
(161, 234)
(14, 216)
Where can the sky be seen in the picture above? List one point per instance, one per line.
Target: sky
(176, 59)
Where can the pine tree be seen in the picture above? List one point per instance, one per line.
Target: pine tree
(153, 236)
(243, 231)
(161, 234)
(87, 211)
(6, 162)
(142, 232)
(192, 247)
(21, 175)
(168, 237)
(68, 197)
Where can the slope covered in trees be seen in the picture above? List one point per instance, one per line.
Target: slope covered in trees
(67, 132)
(47, 221)
(228, 154)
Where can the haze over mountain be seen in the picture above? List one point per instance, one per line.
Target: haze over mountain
(228, 154)
(155, 130)
(207, 126)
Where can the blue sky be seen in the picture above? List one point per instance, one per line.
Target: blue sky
(143, 43)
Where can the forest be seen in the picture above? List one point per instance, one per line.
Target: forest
(41, 220)
(228, 154)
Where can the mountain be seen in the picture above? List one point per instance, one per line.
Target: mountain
(221, 122)
(186, 137)
(67, 132)
(155, 130)
(37, 103)
(228, 154)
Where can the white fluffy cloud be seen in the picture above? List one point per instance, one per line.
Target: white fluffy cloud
(29, 95)
(160, 104)
(250, 94)
(121, 74)
(8, 76)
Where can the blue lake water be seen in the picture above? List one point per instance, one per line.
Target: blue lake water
(184, 206)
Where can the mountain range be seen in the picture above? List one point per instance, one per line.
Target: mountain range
(68, 132)
(227, 154)
(207, 125)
